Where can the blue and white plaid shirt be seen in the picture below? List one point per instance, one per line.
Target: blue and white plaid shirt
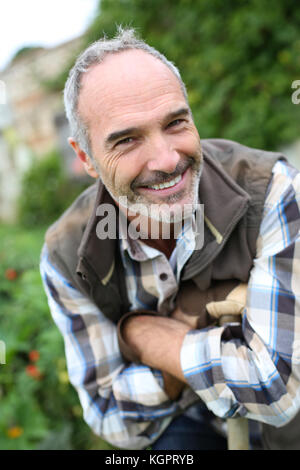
(257, 375)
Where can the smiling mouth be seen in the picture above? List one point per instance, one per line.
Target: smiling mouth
(167, 184)
(164, 181)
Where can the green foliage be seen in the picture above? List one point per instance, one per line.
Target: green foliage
(237, 58)
(39, 409)
(46, 191)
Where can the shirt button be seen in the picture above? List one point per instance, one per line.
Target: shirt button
(163, 276)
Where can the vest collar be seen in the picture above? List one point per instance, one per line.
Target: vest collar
(225, 203)
(94, 252)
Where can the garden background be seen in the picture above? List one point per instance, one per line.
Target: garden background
(238, 60)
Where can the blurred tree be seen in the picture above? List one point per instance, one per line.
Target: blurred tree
(237, 58)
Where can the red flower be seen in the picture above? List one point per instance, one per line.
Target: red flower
(33, 372)
(11, 274)
(14, 432)
(34, 355)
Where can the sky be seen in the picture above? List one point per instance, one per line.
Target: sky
(41, 22)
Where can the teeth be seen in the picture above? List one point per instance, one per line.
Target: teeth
(166, 185)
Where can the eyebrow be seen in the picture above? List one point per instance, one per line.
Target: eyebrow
(119, 134)
(179, 112)
(114, 136)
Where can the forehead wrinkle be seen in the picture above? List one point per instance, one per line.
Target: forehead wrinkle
(130, 96)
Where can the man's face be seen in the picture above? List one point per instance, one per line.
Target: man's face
(142, 135)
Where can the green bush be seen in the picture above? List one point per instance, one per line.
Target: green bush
(39, 409)
(46, 191)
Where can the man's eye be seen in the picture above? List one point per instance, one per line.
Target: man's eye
(176, 122)
(127, 140)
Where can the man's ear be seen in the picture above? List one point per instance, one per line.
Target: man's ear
(86, 160)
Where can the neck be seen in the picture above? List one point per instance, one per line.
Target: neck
(159, 235)
(154, 233)
(163, 245)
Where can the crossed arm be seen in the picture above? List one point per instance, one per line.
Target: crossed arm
(157, 341)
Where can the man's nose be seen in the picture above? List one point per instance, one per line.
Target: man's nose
(162, 156)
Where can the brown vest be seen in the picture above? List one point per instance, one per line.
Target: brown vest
(232, 188)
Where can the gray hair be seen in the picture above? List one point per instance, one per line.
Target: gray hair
(94, 54)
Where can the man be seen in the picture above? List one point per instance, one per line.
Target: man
(144, 368)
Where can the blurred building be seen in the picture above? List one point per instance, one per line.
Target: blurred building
(32, 120)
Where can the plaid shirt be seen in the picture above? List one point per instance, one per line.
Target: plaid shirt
(255, 374)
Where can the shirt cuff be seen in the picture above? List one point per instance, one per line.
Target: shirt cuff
(201, 365)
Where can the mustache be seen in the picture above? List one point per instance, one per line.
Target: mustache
(159, 177)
